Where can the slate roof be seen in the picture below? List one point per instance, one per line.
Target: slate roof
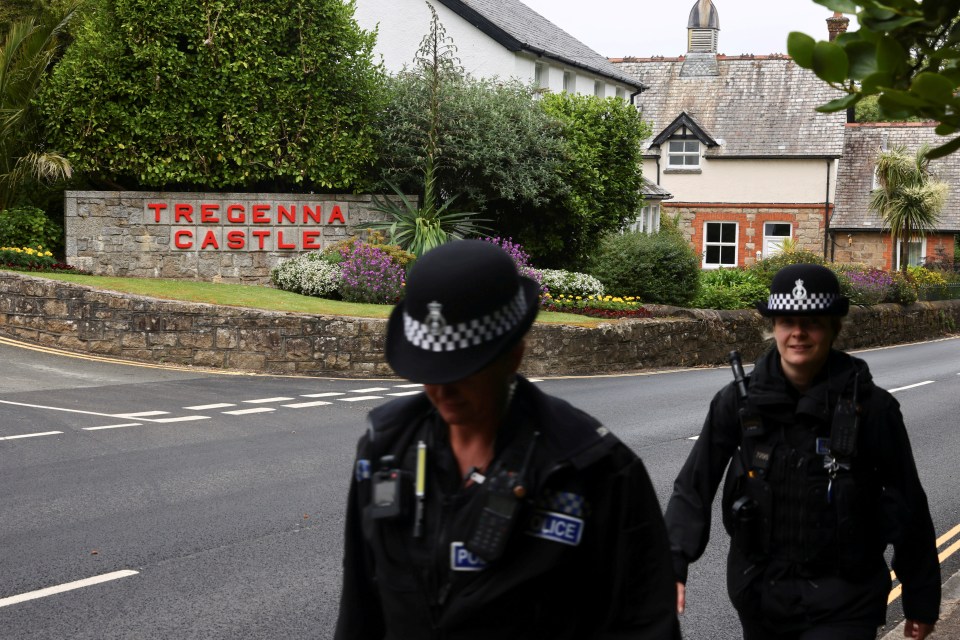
(654, 191)
(855, 172)
(519, 28)
(755, 106)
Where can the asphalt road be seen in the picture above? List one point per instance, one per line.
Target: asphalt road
(211, 505)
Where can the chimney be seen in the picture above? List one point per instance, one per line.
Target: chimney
(837, 24)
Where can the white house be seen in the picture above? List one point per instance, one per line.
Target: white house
(496, 38)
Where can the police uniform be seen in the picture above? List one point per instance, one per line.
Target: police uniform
(809, 550)
(586, 555)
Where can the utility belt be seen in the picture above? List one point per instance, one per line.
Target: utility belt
(807, 517)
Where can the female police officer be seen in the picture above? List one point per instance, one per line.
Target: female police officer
(484, 508)
(818, 454)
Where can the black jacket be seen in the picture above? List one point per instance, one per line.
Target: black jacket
(587, 556)
(844, 546)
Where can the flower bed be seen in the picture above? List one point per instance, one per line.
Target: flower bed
(611, 307)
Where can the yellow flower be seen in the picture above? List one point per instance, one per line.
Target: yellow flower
(579, 298)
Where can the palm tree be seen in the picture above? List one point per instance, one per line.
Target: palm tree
(908, 197)
(26, 54)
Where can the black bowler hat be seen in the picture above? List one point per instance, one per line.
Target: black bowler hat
(804, 290)
(465, 305)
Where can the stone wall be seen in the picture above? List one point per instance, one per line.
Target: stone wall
(232, 237)
(83, 319)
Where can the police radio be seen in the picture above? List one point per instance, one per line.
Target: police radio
(846, 423)
(388, 499)
(749, 422)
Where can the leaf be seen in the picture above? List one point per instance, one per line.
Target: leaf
(944, 150)
(830, 62)
(933, 87)
(863, 59)
(840, 103)
(843, 6)
(891, 56)
(800, 47)
(876, 82)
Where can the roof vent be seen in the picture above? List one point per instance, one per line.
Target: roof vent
(703, 28)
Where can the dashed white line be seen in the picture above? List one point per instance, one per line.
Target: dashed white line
(243, 412)
(304, 405)
(265, 400)
(69, 586)
(405, 393)
(370, 390)
(694, 438)
(31, 435)
(114, 426)
(328, 394)
(204, 407)
(359, 398)
(407, 386)
(911, 386)
(142, 414)
(181, 419)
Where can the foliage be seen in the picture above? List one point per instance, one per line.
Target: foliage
(864, 285)
(765, 269)
(906, 52)
(929, 284)
(730, 289)
(30, 258)
(903, 290)
(602, 170)
(596, 306)
(29, 48)
(658, 268)
(274, 94)
(521, 259)
(340, 250)
(28, 227)
(368, 274)
(908, 199)
(308, 274)
(570, 283)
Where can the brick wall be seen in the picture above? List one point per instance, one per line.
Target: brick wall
(83, 319)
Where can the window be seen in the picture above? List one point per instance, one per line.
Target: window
(569, 85)
(540, 75)
(621, 93)
(598, 88)
(719, 244)
(683, 153)
(648, 221)
(916, 252)
(774, 233)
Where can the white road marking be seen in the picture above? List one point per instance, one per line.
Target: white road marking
(143, 414)
(370, 390)
(243, 412)
(181, 419)
(405, 393)
(264, 400)
(40, 406)
(31, 435)
(69, 586)
(534, 380)
(304, 405)
(694, 438)
(114, 426)
(359, 398)
(911, 386)
(328, 394)
(203, 407)
(407, 386)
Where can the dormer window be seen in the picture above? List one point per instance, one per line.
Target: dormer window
(683, 154)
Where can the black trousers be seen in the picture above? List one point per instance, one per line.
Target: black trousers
(761, 630)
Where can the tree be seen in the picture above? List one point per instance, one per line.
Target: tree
(214, 94)
(27, 52)
(908, 198)
(906, 52)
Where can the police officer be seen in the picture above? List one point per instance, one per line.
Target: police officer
(483, 508)
(820, 479)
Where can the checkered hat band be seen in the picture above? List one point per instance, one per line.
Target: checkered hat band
(813, 302)
(467, 334)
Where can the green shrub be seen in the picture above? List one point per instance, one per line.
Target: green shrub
(29, 227)
(730, 289)
(336, 252)
(30, 258)
(903, 289)
(308, 274)
(765, 269)
(863, 285)
(658, 268)
(560, 282)
(929, 284)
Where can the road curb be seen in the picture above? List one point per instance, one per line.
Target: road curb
(949, 625)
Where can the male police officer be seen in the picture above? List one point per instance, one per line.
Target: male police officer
(819, 453)
(484, 508)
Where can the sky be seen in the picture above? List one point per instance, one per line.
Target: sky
(644, 28)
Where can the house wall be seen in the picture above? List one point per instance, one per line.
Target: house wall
(807, 221)
(875, 249)
(767, 180)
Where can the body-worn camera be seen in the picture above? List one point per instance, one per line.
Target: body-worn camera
(748, 525)
(388, 496)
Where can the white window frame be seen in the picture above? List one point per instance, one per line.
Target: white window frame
(684, 153)
(598, 88)
(540, 75)
(648, 221)
(923, 252)
(767, 238)
(569, 82)
(622, 93)
(721, 244)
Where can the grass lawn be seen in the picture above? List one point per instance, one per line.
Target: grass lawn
(259, 297)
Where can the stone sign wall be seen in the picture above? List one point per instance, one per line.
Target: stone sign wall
(228, 237)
